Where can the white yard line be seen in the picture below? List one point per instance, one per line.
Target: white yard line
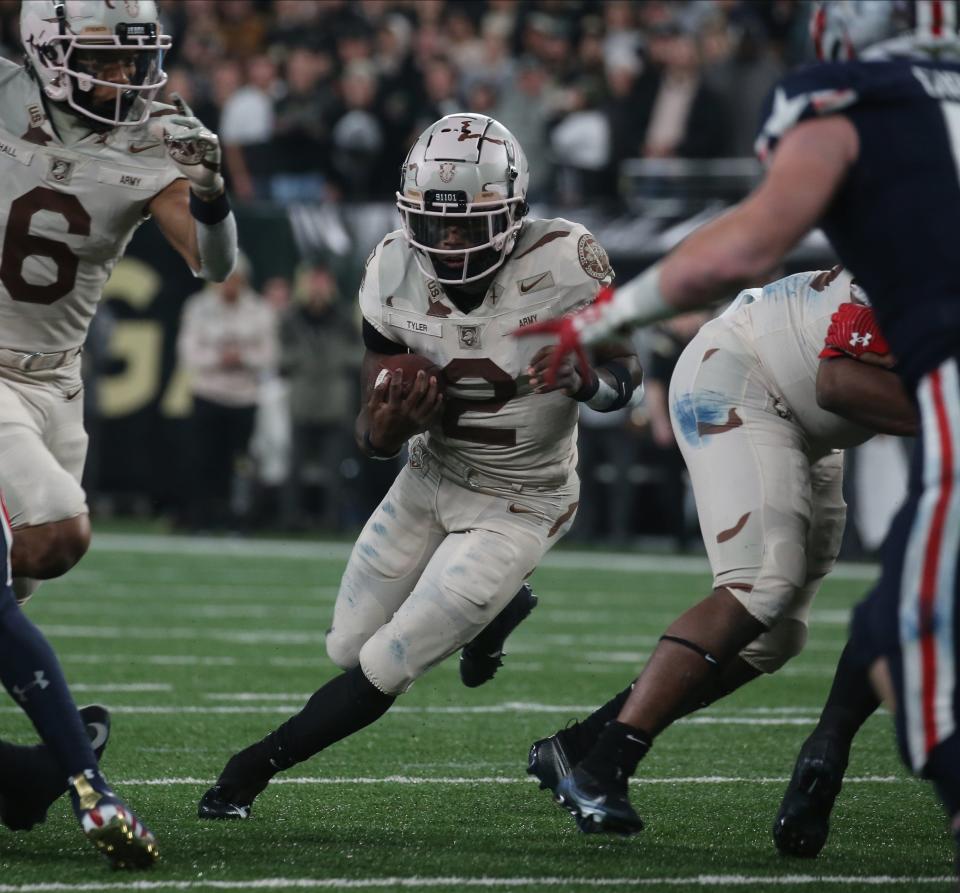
(161, 660)
(235, 547)
(722, 881)
(490, 709)
(500, 780)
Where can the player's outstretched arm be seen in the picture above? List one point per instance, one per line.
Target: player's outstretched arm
(194, 213)
(736, 250)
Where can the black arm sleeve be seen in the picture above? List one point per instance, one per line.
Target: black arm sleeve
(377, 343)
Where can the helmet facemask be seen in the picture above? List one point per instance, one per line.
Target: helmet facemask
(464, 241)
(108, 79)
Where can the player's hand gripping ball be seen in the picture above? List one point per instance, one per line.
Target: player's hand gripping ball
(409, 365)
(406, 399)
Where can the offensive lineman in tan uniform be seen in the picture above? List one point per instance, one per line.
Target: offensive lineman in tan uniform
(755, 413)
(490, 484)
(86, 156)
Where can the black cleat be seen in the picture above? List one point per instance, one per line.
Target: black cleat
(550, 761)
(220, 802)
(598, 806)
(43, 781)
(803, 822)
(481, 658)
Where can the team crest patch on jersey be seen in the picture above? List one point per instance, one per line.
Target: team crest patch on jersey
(61, 170)
(469, 337)
(593, 258)
(447, 170)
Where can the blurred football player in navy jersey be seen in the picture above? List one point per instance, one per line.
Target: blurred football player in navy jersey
(32, 778)
(866, 146)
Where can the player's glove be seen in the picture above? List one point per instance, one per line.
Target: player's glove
(854, 332)
(195, 150)
(574, 332)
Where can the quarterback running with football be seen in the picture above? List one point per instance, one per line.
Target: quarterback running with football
(864, 145)
(86, 156)
(490, 484)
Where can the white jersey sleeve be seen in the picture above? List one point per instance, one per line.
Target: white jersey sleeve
(66, 215)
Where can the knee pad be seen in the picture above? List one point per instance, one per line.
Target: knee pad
(770, 651)
(344, 649)
(384, 661)
(24, 588)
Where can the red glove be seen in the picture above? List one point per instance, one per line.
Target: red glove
(853, 332)
(572, 331)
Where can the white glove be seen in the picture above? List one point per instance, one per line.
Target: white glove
(195, 150)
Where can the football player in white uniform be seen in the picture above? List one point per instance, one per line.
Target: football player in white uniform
(747, 404)
(86, 155)
(490, 484)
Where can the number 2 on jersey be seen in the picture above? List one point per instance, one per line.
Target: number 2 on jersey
(504, 390)
(19, 244)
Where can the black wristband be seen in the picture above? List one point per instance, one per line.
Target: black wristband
(211, 212)
(373, 452)
(588, 388)
(624, 384)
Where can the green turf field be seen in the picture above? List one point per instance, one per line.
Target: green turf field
(201, 646)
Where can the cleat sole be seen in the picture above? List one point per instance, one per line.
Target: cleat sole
(122, 848)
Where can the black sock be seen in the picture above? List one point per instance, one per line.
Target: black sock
(346, 704)
(581, 736)
(617, 752)
(851, 700)
(31, 673)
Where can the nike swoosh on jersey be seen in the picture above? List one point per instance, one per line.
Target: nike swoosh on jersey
(531, 284)
(517, 509)
(136, 150)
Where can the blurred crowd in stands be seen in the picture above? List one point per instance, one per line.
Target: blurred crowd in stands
(316, 103)
(319, 99)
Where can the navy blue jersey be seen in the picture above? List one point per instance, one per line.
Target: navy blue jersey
(895, 222)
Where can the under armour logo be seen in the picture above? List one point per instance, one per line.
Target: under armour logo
(38, 681)
(857, 339)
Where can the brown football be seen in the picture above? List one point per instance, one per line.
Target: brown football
(410, 364)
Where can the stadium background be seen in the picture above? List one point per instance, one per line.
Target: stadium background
(638, 120)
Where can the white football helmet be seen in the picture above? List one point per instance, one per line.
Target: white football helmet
(462, 198)
(80, 48)
(881, 29)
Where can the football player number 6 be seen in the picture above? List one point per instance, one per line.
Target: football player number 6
(19, 244)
